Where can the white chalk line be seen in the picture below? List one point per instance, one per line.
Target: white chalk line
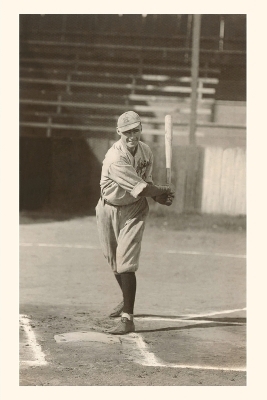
(212, 313)
(139, 351)
(90, 247)
(34, 363)
(150, 360)
(58, 245)
(198, 253)
(147, 358)
(31, 340)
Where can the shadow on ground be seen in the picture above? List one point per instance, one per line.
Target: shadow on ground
(42, 217)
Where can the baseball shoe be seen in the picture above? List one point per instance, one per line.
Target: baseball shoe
(117, 311)
(125, 326)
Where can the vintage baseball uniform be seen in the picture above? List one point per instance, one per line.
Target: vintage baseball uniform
(120, 212)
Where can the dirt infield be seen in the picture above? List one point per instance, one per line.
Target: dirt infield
(190, 305)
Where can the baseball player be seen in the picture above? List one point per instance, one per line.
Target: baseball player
(126, 181)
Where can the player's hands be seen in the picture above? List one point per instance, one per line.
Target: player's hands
(157, 190)
(170, 195)
(171, 190)
(164, 199)
(169, 200)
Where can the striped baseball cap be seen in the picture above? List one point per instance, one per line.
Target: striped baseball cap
(128, 120)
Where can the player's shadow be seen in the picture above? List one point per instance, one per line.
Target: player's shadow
(159, 316)
(213, 322)
(180, 328)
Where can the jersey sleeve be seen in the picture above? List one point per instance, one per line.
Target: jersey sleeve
(126, 177)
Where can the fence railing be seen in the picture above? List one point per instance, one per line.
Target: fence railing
(88, 130)
(69, 83)
(143, 55)
(76, 64)
(124, 37)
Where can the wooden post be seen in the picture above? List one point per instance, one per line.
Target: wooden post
(188, 36)
(64, 23)
(194, 74)
(221, 32)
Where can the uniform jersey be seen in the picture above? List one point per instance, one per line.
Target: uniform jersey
(124, 176)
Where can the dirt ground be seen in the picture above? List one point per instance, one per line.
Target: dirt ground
(190, 304)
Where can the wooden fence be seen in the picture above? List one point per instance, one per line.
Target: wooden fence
(64, 175)
(207, 180)
(224, 181)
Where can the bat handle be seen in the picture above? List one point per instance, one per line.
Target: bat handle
(169, 176)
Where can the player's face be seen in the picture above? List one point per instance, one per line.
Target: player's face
(131, 138)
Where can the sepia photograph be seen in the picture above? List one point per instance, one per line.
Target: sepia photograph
(132, 200)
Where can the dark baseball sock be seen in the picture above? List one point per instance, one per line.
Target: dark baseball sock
(128, 280)
(118, 278)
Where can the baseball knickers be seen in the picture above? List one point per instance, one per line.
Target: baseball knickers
(120, 231)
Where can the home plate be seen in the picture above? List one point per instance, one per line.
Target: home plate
(86, 337)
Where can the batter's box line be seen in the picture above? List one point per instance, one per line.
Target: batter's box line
(39, 357)
(140, 352)
(144, 357)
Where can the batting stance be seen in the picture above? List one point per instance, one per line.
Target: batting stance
(126, 181)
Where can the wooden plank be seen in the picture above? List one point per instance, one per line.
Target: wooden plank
(211, 179)
(179, 177)
(171, 99)
(25, 116)
(239, 203)
(233, 184)
(77, 63)
(80, 45)
(224, 181)
(227, 182)
(188, 205)
(199, 179)
(39, 72)
(82, 36)
(192, 178)
(120, 108)
(106, 85)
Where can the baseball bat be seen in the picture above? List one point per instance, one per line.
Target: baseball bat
(168, 148)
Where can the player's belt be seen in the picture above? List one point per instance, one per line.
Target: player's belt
(105, 201)
(108, 202)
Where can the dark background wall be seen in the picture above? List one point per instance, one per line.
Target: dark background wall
(60, 175)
